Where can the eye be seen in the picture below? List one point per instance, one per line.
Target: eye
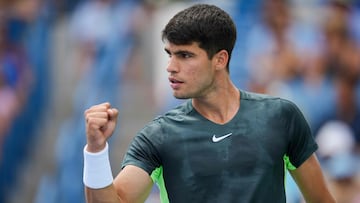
(185, 55)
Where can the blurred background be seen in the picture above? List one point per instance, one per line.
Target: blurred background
(58, 58)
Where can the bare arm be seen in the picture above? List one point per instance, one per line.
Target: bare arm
(132, 184)
(311, 182)
(107, 194)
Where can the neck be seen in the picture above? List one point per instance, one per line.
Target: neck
(219, 106)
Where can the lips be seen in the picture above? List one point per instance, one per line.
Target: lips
(175, 83)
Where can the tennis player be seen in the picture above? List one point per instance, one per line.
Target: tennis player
(222, 144)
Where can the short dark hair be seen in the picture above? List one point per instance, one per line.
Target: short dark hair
(205, 24)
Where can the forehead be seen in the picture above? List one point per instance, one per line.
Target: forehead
(193, 47)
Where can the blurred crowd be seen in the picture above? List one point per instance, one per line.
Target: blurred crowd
(23, 82)
(304, 51)
(313, 58)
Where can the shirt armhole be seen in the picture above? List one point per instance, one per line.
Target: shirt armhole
(157, 177)
(288, 164)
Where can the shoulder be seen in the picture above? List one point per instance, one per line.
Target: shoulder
(271, 103)
(176, 114)
(261, 100)
(182, 109)
(246, 95)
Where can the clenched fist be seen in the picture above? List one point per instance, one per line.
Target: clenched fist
(100, 124)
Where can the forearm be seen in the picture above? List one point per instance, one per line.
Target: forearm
(107, 194)
(98, 177)
(312, 183)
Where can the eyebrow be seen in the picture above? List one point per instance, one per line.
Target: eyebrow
(179, 52)
(167, 50)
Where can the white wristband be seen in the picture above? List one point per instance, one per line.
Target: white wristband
(97, 169)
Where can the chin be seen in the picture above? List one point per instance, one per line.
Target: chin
(180, 96)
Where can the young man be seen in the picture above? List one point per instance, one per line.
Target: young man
(222, 145)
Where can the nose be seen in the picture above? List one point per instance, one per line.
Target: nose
(172, 66)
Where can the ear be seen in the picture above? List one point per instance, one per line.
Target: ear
(221, 59)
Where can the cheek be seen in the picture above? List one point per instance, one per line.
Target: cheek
(192, 72)
(193, 76)
(200, 79)
(198, 72)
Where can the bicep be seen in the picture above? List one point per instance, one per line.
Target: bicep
(133, 184)
(311, 181)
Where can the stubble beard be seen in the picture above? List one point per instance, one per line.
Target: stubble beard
(190, 95)
(177, 96)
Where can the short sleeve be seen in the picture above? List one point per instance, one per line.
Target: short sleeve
(301, 142)
(142, 151)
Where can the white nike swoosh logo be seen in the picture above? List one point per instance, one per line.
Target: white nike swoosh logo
(218, 139)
